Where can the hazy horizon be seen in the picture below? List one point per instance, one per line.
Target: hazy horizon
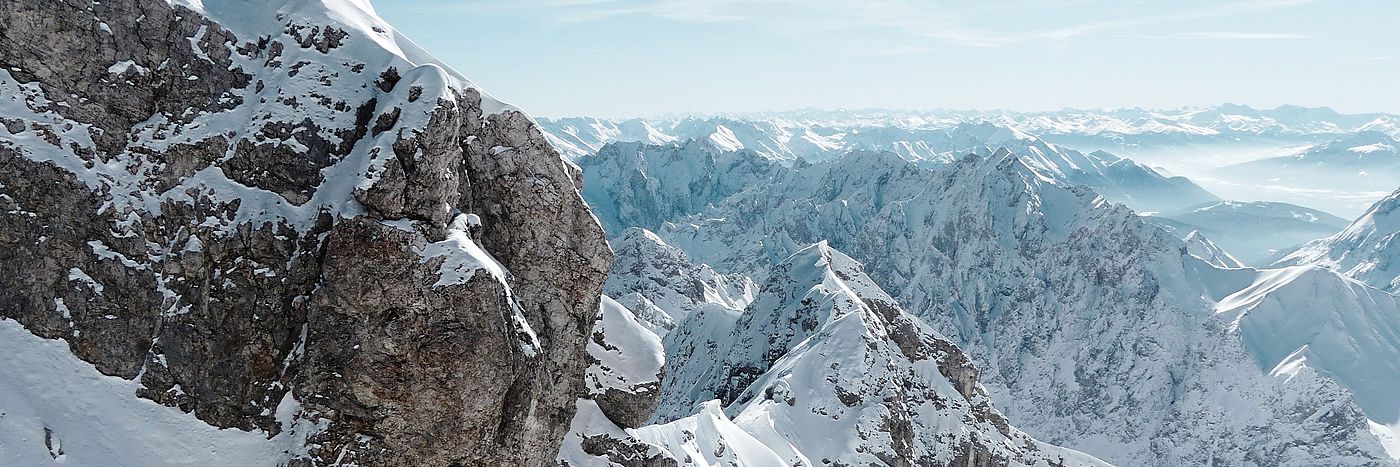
(990, 111)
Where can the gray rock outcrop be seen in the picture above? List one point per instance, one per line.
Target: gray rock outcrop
(277, 212)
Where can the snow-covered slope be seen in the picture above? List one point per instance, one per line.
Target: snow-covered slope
(822, 369)
(1368, 249)
(1093, 329)
(1257, 232)
(59, 409)
(1311, 317)
(626, 371)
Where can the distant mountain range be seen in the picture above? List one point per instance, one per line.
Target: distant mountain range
(1255, 232)
(766, 143)
(1351, 155)
(1365, 160)
(808, 132)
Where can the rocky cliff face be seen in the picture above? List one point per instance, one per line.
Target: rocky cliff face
(283, 212)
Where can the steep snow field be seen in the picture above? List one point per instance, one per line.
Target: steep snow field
(55, 408)
(1368, 249)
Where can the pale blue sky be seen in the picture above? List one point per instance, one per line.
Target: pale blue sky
(620, 58)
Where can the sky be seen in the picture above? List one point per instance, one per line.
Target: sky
(636, 58)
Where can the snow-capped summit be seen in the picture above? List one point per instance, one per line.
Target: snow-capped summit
(824, 368)
(1368, 249)
(1201, 247)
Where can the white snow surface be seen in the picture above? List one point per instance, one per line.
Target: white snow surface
(98, 420)
(462, 257)
(1308, 316)
(629, 356)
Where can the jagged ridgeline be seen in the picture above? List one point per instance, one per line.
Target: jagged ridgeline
(1089, 328)
(284, 219)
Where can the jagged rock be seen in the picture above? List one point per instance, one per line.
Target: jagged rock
(679, 179)
(200, 203)
(660, 284)
(822, 369)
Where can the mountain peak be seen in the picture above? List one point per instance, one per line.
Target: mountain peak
(1368, 249)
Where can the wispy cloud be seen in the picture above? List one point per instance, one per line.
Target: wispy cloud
(953, 24)
(1229, 36)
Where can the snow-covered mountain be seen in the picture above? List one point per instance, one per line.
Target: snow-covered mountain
(1307, 317)
(624, 180)
(1134, 127)
(1255, 232)
(661, 284)
(1201, 247)
(823, 368)
(1362, 151)
(1124, 128)
(1117, 179)
(1093, 329)
(727, 170)
(1191, 142)
(277, 233)
(1368, 249)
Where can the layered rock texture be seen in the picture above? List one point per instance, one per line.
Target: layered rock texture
(284, 217)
